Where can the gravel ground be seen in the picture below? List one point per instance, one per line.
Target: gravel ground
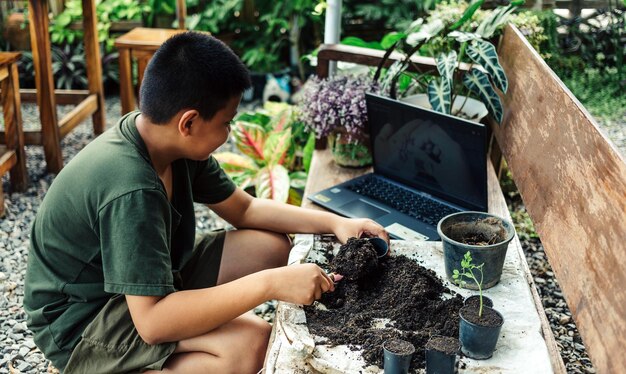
(17, 350)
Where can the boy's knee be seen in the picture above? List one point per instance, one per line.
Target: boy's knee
(280, 246)
(255, 341)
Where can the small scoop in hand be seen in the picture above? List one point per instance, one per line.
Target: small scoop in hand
(380, 245)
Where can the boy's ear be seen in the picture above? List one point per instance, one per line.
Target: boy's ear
(185, 122)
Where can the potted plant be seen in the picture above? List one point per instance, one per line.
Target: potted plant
(486, 236)
(275, 152)
(335, 107)
(441, 353)
(480, 325)
(452, 45)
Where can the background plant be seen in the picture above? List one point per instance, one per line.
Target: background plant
(484, 73)
(467, 271)
(337, 102)
(271, 143)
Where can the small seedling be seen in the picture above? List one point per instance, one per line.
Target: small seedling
(467, 271)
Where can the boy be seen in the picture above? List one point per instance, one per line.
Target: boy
(115, 282)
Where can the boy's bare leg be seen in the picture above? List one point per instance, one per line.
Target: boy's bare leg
(238, 346)
(249, 251)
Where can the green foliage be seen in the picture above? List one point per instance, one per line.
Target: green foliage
(600, 91)
(107, 11)
(454, 37)
(467, 271)
(271, 142)
(68, 66)
(391, 14)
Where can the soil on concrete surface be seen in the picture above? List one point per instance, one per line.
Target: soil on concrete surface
(489, 318)
(398, 300)
(444, 344)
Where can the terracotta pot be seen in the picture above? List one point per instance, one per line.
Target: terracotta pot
(348, 151)
(17, 36)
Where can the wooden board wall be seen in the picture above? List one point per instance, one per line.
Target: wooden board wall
(573, 183)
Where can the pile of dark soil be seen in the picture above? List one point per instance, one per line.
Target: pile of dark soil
(397, 289)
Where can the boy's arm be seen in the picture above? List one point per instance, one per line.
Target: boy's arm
(245, 211)
(185, 314)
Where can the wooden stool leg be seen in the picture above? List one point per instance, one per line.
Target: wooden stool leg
(1, 202)
(127, 96)
(42, 59)
(94, 67)
(14, 136)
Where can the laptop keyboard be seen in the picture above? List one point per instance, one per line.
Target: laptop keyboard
(411, 204)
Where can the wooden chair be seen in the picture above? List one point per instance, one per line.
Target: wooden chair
(12, 157)
(89, 102)
(140, 44)
(572, 181)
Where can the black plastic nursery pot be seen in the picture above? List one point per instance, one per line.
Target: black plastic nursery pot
(479, 336)
(441, 354)
(397, 354)
(475, 300)
(486, 236)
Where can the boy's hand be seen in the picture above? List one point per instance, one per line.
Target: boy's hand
(359, 227)
(300, 284)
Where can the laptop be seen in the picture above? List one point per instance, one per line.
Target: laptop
(426, 166)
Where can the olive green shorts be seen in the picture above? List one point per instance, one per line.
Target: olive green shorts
(111, 344)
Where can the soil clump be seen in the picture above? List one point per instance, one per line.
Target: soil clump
(403, 294)
(482, 232)
(444, 344)
(489, 318)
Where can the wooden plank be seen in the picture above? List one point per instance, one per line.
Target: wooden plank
(497, 205)
(63, 97)
(145, 38)
(94, 66)
(46, 100)
(7, 159)
(573, 183)
(4, 72)
(127, 95)
(77, 115)
(324, 173)
(370, 57)
(13, 127)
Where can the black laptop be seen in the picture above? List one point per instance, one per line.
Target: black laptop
(426, 166)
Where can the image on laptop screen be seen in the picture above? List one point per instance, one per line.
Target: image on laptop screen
(429, 152)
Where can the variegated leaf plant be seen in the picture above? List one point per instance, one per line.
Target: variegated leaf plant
(485, 73)
(267, 152)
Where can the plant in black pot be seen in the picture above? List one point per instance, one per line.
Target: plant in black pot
(479, 324)
(486, 236)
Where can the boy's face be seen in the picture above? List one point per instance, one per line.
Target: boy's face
(208, 135)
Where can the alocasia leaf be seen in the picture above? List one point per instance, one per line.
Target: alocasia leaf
(478, 82)
(446, 65)
(250, 139)
(439, 94)
(484, 54)
(272, 182)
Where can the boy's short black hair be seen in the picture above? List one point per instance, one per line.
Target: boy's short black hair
(191, 70)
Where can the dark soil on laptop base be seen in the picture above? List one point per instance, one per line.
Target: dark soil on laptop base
(397, 289)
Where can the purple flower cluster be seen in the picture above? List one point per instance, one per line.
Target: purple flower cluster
(336, 102)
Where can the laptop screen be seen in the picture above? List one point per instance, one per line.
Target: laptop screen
(441, 155)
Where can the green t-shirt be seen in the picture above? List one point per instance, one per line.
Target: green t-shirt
(106, 227)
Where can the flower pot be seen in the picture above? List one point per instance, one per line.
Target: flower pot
(350, 151)
(471, 109)
(479, 336)
(398, 354)
(441, 352)
(475, 300)
(486, 236)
